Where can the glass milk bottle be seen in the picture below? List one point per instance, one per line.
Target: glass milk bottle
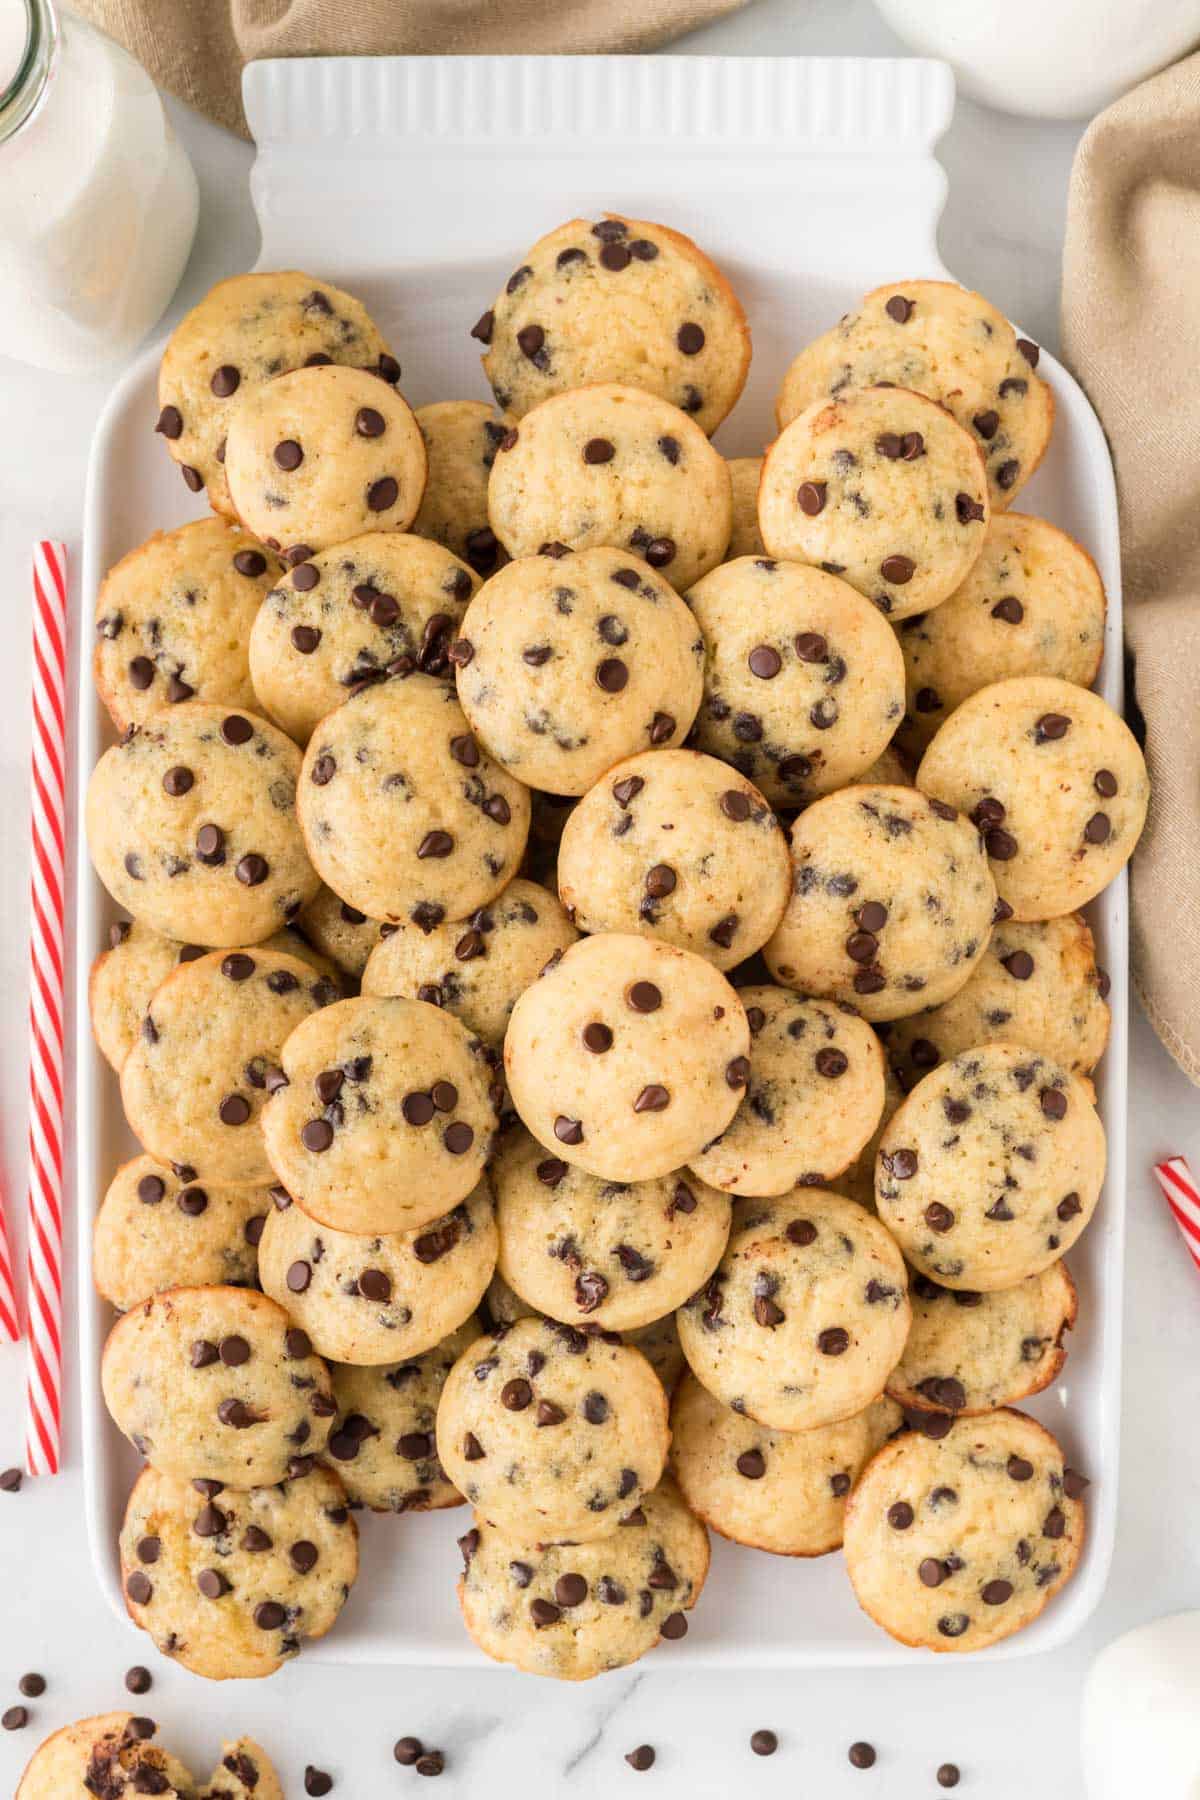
(97, 197)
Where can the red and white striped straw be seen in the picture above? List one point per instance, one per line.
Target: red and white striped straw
(49, 833)
(1182, 1196)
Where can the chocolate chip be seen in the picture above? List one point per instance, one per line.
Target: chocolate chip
(764, 1743)
(939, 1218)
(897, 570)
(901, 1164)
(1097, 829)
(801, 1232)
(139, 1588)
(1000, 845)
(662, 727)
(861, 947)
(436, 844)
(212, 1584)
(316, 1135)
(645, 997)
(690, 339)
(192, 478)
(482, 328)
(15, 1719)
(948, 1775)
(458, 1138)
(543, 1613)
(861, 1756)
(141, 672)
(417, 1108)
(653, 1098)
(570, 1589)
(811, 647)
(298, 1277)
(234, 1351)
(764, 662)
(642, 1758)
(1019, 965)
(735, 805)
(288, 454)
(323, 770)
(1053, 1103)
(595, 1411)
(597, 1038)
(967, 510)
(317, 1781)
(752, 1464)
(661, 881)
(252, 870)
(810, 497)
(831, 1063)
(899, 309)
(373, 1284)
(170, 423)
(1009, 610)
(1055, 1523)
(269, 1615)
(598, 450)
(305, 638)
(833, 1341)
(737, 1072)
(1019, 1468)
(611, 675)
(674, 1627)
(138, 1680)
(1007, 473)
(234, 1110)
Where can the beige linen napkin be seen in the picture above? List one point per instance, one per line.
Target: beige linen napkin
(196, 48)
(1131, 333)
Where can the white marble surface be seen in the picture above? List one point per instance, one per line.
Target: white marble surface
(1013, 1729)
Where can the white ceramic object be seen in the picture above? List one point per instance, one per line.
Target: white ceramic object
(1140, 1721)
(1048, 59)
(416, 184)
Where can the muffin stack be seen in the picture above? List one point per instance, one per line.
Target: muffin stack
(532, 908)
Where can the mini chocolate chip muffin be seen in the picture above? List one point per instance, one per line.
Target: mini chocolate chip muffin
(554, 1434)
(803, 679)
(375, 1299)
(230, 1582)
(339, 931)
(382, 603)
(1033, 604)
(194, 1084)
(405, 815)
(623, 300)
(214, 1384)
(173, 617)
(992, 1168)
(969, 1353)
(246, 331)
(478, 968)
(614, 1254)
(658, 1341)
(461, 441)
(950, 344)
(112, 1755)
(321, 455)
(575, 1610)
(626, 1056)
(1036, 985)
(611, 465)
(745, 473)
(384, 1443)
(674, 846)
(568, 663)
(1055, 781)
(154, 1231)
(806, 1315)
(125, 977)
(891, 905)
(381, 1116)
(191, 824)
(955, 1543)
(813, 1100)
(782, 1491)
(882, 486)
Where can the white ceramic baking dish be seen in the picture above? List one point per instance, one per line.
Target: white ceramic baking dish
(416, 183)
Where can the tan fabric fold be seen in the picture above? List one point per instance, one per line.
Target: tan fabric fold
(196, 49)
(1131, 333)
